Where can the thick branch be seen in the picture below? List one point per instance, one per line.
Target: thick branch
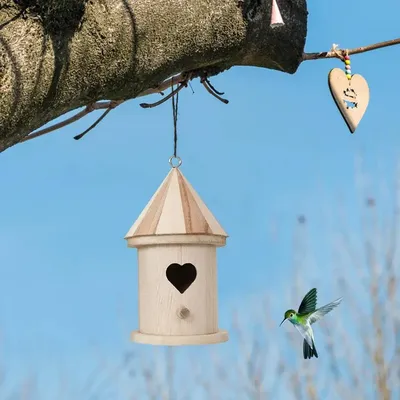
(184, 78)
(61, 55)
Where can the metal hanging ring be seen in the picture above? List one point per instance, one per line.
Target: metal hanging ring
(171, 163)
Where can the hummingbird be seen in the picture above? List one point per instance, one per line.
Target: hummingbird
(306, 316)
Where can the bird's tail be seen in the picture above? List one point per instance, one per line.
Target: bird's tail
(309, 352)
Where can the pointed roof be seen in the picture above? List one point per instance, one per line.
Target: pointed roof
(175, 209)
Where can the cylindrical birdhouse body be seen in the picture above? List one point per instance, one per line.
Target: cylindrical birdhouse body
(176, 237)
(167, 289)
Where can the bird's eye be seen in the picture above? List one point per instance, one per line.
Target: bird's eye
(291, 315)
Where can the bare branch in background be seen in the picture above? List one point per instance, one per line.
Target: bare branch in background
(358, 355)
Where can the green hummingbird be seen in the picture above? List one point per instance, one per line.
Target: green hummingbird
(307, 315)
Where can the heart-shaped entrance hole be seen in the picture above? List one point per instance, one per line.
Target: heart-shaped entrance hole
(181, 276)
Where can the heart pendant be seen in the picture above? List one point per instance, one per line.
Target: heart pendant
(351, 96)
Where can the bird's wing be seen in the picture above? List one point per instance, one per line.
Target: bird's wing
(318, 314)
(307, 333)
(309, 303)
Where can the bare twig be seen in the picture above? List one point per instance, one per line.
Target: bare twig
(175, 80)
(213, 88)
(59, 125)
(163, 100)
(101, 105)
(113, 104)
(81, 135)
(363, 49)
(212, 91)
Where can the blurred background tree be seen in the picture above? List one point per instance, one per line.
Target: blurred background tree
(358, 343)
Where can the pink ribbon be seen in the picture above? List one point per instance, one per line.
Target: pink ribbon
(276, 17)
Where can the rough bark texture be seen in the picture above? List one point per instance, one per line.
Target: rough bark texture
(57, 55)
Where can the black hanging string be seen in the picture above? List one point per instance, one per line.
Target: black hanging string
(175, 116)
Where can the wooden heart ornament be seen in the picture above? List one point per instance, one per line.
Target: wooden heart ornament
(351, 96)
(181, 276)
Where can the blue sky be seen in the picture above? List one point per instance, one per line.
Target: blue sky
(68, 288)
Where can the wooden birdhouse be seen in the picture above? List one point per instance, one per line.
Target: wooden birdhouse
(176, 237)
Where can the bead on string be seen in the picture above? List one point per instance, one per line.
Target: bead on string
(347, 66)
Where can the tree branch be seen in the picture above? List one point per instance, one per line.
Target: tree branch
(357, 50)
(63, 55)
(210, 89)
(98, 120)
(101, 105)
(181, 79)
(88, 109)
(166, 98)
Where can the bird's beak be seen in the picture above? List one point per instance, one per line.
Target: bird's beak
(282, 321)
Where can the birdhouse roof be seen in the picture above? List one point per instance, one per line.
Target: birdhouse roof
(175, 208)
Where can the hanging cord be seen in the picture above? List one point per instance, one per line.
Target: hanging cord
(175, 116)
(175, 102)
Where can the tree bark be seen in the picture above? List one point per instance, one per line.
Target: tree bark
(57, 55)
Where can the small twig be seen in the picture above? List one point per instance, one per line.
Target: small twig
(181, 79)
(191, 88)
(175, 80)
(59, 125)
(363, 49)
(81, 135)
(212, 92)
(112, 105)
(101, 105)
(213, 88)
(166, 98)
